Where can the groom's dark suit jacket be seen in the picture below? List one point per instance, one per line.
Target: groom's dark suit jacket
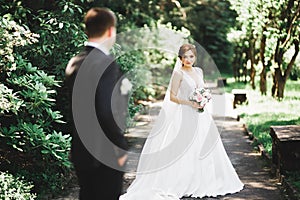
(109, 81)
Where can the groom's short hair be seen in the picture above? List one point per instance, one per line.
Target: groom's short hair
(98, 20)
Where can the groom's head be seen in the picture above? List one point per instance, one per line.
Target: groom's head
(100, 23)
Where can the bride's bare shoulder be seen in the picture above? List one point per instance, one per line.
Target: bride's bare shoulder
(178, 73)
(199, 70)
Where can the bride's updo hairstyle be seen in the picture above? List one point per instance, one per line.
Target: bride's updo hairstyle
(186, 47)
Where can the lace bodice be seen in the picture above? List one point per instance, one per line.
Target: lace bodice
(188, 84)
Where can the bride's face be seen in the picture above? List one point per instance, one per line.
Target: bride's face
(188, 58)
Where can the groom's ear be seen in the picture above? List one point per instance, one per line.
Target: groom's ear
(111, 32)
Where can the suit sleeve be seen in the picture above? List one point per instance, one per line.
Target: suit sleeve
(111, 108)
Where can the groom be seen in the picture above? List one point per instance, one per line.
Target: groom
(99, 179)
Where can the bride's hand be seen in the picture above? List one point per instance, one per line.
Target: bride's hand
(196, 105)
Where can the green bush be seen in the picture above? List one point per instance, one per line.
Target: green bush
(33, 57)
(14, 188)
(9, 102)
(59, 26)
(32, 139)
(131, 64)
(32, 129)
(32, 145)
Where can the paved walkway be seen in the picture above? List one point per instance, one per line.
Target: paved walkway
(250, 166)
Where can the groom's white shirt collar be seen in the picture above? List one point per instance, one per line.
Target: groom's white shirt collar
(98, 46)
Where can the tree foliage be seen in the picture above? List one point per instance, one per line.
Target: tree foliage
(209, 21)
(268, 31)
(29, 135)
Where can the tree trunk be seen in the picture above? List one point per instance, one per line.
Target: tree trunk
(238, 64)
(235, 66)
(252, 62)
(278, 84)
(245, 74)
(280, 87)
(281, 47)
(279, 78)
(288, 70)
(263, 73)
(252, 76)
(263, 82)
(274, 86)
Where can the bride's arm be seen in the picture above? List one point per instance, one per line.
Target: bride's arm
(175, 84)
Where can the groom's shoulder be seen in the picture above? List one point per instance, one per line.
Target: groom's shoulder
(98, 56)
(89, 53)
(75, 62)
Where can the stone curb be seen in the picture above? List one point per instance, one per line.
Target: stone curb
(288, 188)
(260, 147)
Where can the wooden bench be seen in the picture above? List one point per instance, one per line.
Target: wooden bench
(240, 96)
(286, 147)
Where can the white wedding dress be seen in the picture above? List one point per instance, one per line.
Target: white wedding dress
(183, 154)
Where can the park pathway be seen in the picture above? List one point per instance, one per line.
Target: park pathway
(250, 166)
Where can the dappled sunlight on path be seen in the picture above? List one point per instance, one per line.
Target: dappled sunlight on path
(252, 169)
(250, 166)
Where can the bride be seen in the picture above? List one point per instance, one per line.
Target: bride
(183, 155)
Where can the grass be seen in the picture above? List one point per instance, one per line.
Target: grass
(264, 111)
(259, 124)
(294, 178)
(261, 112)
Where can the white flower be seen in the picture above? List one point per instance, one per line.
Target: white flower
(125, 86)
(17, 34)
(204, 102)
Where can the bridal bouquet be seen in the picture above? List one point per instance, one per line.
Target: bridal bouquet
(200, 96)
